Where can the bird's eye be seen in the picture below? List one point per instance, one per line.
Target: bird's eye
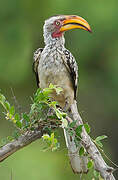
(57, 23)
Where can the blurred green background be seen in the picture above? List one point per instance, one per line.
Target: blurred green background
(21, 24)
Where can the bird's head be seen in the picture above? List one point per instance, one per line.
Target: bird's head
(57, 25)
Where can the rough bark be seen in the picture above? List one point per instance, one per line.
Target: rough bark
(99, 163)
(24, 140)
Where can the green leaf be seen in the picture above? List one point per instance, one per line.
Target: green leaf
(10, 138)
(72, 124)
(71, 133)
(19, 124)
(98, 143)
(48, 130)
(53, 103)
(78, 130)
(51, 86)
(87, 127)
(99, 138)
(77, 141)
(52, 136)
(81, 151)
(33, 106)
(47, 91)
(26, 117)
(12, 110)
(17, 117)
(54, 87)
(45, 136)
(51, 141)
(96, 173)
(58, 90)
(16, 134)
(40, 96)
(3, 141)
(7, 105)
(90, 164)
(2, 98)
(63, 115)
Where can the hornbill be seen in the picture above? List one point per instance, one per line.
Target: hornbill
(55, 64)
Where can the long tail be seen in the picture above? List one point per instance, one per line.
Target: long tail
(78, 163)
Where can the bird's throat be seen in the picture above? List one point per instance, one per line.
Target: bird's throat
(57, 34)
(54, 39)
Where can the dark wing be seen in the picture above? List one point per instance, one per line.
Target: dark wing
(37, 55)
(72, 67)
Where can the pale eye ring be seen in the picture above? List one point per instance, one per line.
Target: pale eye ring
(57, 23)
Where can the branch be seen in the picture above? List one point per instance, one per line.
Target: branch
(24, 140)
(99, 163)
(31, 136)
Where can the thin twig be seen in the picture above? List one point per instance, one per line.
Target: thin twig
(15, 100)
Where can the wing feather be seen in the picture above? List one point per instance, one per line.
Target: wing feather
(72, 67)
(37, 55)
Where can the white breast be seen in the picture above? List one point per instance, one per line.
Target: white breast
(51, 69)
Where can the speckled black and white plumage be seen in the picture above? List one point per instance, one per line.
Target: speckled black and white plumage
(73, 69)
(36, 58)
(55, 64)
(69, 62)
